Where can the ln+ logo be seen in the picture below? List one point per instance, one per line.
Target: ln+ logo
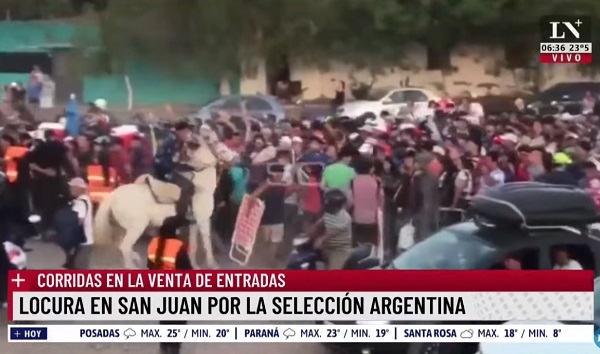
(566, 29)
(571, 27)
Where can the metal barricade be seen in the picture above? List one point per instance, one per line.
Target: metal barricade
(450, 216)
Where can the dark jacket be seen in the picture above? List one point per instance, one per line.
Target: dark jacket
(424, 204)
(560, 177)
(163, 160)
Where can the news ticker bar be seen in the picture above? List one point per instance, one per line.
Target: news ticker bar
(371, 333)
(276, 306)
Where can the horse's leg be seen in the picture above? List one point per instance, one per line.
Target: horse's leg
(193, 243)
(131, 259)
(203, 227)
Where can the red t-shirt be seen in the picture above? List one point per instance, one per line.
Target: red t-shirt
(522, 173)
(119, 159)
(312, 197)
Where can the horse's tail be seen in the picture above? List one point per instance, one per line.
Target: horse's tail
(103, 228)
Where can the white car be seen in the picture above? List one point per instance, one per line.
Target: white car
(392, 100)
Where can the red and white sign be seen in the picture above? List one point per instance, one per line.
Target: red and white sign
(246, 226)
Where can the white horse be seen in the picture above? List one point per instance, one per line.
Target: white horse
(148, 202)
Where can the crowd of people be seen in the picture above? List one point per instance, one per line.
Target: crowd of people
(421, 171)
(390, 180)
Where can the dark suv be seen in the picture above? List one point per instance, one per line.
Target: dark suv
(567, 94)
(529, 226)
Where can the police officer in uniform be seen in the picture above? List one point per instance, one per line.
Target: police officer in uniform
(167, 252)
(168, 165)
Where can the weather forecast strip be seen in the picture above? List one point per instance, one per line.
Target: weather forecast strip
(531, 333)
(300, 295)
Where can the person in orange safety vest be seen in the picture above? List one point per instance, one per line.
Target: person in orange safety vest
(13, 153)
(166, 252)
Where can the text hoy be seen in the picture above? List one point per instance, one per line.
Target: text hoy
(566, 58)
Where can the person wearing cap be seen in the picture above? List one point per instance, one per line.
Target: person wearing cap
(559, 174)
(73, 223)
(168, 168)
(315, 153)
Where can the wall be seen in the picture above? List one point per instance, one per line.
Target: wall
(17, 36)
(149, 87)
(477, 70)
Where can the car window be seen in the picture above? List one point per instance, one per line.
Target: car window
(230, 103)
(396, 97)
(525, 258)
(257, 104)
(415, 96)
(377, 94)
(572, 256)
(450, 248)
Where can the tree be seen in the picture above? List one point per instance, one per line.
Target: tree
(224, 37)
(216, 36)
(35, 9)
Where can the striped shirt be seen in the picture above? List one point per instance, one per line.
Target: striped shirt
(338, 225)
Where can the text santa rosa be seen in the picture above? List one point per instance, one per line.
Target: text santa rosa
(268, 295)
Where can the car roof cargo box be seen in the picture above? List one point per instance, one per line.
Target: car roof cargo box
(531, 204)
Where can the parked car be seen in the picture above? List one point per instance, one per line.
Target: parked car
(520, 218)
(563, 94)
(392, 100)
(263, 107)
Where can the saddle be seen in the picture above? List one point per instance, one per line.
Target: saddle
(163, 192)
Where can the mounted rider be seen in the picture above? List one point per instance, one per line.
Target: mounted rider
(170, 163)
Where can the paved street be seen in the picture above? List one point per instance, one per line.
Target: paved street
(47, 256)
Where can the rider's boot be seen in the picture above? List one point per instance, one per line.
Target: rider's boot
(182, 207)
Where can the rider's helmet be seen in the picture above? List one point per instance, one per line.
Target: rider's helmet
(334, 201)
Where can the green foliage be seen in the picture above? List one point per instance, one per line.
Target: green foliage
(35, 9)
(222, 37)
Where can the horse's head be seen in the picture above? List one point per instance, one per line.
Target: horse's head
(208, 141)
(200, 153)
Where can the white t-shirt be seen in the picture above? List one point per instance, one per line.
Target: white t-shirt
(464, 179)
(288, 177)
(82, 205)
(571, 265)
(498, 176)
